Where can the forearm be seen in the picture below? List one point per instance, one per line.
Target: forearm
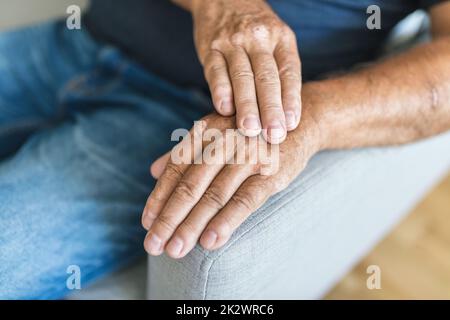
(189, 5)
(399, 100)
(185, 4)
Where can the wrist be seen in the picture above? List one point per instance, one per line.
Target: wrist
(195, 6)
(314, 117)
(185, 4)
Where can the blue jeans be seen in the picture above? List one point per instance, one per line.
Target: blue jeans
(79, 126)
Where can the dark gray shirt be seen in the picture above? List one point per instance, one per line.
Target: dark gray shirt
(332, 34)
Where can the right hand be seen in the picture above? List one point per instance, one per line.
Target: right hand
(251, 63)
(207, 201)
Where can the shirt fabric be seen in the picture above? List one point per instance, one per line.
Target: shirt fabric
(332, 34)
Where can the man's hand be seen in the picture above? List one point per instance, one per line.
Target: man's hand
(251, 63)
(207, 202)
(398, 100)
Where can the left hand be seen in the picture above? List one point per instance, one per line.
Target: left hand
(251, 63)
(207, 202)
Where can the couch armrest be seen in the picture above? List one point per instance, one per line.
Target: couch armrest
(306, 237)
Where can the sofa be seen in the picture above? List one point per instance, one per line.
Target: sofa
(304, 239)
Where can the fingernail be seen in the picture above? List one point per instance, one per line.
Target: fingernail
(174, 247)
(208, 239)
(291, 120)
(154, 245)
(226, 106)
(276, 132)
(251, 125)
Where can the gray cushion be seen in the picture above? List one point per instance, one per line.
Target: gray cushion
(306, 237)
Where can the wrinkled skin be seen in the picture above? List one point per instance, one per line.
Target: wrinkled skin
(251, 63)
(206, 203)
(399, 100)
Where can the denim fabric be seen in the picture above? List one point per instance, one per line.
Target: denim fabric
(79, 126)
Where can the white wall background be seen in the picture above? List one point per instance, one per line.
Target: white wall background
(14, 13)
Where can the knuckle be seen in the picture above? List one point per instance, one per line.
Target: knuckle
(187, 229)
(213, 198)
(290, 72)
(217, 44)
(173, 171)
(165, 222)
(286, 33)
(267, 76)
(213, 69)
(244, 200)
(152, 197)
(268, 170)
(259, 29)
(245, 103)
(185, 191)
(210, 56)
(237, 38)
(242, 73)
(274, 108)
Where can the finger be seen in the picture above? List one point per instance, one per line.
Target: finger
(157, 167)
(164, 186)
(268, 89)
(186, 194)
(249, 197)
(213, 200)
(216, 74)
(171, 175)
(289, 68)
(244, 92)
